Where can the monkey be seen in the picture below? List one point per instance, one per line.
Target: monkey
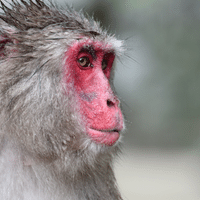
(60, 118)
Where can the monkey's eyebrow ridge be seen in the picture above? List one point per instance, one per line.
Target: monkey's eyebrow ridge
(90, 50)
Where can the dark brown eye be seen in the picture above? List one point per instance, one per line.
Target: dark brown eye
(104, 64)
(84, 61)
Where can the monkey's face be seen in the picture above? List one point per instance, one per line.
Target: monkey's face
(90, 64)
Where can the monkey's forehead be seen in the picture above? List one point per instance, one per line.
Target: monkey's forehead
(54, 35)
(103, 40)
(107, 45)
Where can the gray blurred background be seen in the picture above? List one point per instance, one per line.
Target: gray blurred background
(158, 82)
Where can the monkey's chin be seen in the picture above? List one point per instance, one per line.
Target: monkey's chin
(105, 137)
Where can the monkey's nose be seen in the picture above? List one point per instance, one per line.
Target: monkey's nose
(114, 102)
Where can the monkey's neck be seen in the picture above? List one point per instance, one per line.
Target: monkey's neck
(22, 178)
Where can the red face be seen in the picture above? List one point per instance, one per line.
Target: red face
(90, 66)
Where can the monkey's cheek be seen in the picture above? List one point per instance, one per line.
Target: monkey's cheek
(106, 138)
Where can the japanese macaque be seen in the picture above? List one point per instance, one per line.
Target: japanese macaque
(60, 121)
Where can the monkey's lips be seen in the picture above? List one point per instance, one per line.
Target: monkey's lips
(107, 137)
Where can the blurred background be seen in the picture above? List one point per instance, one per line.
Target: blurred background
(158, 82)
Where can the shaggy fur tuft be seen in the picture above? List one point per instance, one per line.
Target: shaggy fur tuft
(29, 15)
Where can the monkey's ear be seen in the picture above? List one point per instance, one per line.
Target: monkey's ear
(6, 32)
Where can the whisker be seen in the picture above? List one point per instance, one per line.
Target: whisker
(37, 69)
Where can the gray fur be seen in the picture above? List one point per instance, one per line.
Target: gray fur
(45, 153)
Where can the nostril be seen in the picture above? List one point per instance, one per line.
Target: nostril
(110, 103)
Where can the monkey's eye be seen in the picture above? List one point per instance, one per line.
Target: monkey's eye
(84, 61)
(104, 64)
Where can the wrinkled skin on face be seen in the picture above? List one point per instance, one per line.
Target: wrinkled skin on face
(90, 65)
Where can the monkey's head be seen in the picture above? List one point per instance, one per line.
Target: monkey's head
(56, 76)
